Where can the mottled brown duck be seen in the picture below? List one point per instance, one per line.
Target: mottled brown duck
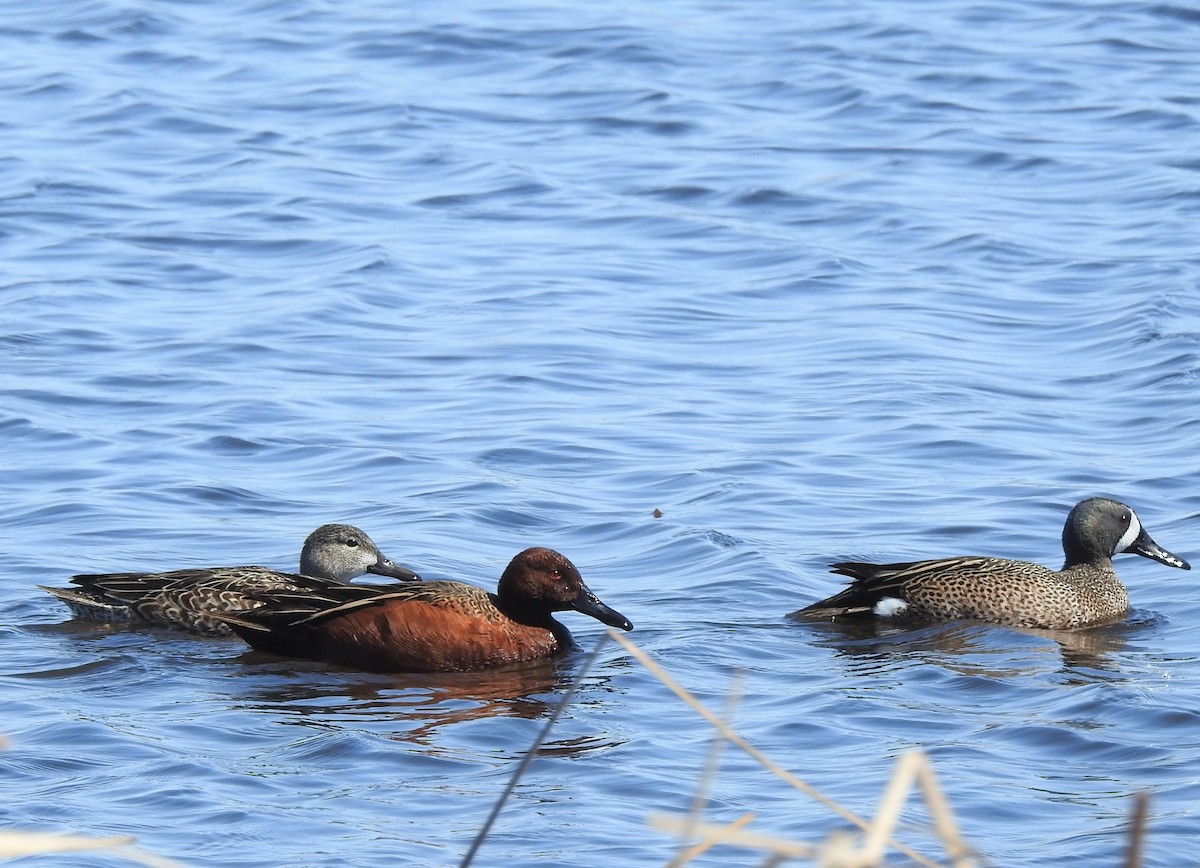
(188, 599)
(1084, 593)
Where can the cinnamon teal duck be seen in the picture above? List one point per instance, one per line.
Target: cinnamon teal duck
(432, 626)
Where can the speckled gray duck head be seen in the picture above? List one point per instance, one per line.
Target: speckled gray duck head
(1098, 528)
(342, 551)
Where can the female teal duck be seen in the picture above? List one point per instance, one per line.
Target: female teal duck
(188, 599)
(1084, 593)
(431, 626)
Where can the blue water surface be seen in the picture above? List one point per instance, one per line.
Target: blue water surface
(874, 280)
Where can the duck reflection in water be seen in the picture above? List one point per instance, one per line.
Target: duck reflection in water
(972, 647)
(413, 707)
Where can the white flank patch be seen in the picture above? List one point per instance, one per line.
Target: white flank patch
(890, 607)
(1135, 528)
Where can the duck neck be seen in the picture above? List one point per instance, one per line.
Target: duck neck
(1071, 568)
(535, 616)
(525, 613)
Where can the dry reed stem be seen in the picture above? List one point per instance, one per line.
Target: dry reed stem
(766, 762)
(718, 834)
(914, 767)
(1137, 830)
(15, 845)
(839, 850)
(532, 751)
(709, 841)
(704, 784)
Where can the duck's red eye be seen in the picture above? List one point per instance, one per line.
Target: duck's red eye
(555, 572)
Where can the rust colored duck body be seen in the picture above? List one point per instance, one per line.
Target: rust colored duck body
(432, 626)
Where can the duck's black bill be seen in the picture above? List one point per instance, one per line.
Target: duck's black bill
(1148, 548)
(388, 567)
(589, 604)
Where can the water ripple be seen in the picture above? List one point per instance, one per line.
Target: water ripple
(706, 307)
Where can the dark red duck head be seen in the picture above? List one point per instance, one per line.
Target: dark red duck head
(539, 581)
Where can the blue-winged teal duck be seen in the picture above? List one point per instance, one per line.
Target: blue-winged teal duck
(1084, 593)
(188, 598)
(431, 626)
